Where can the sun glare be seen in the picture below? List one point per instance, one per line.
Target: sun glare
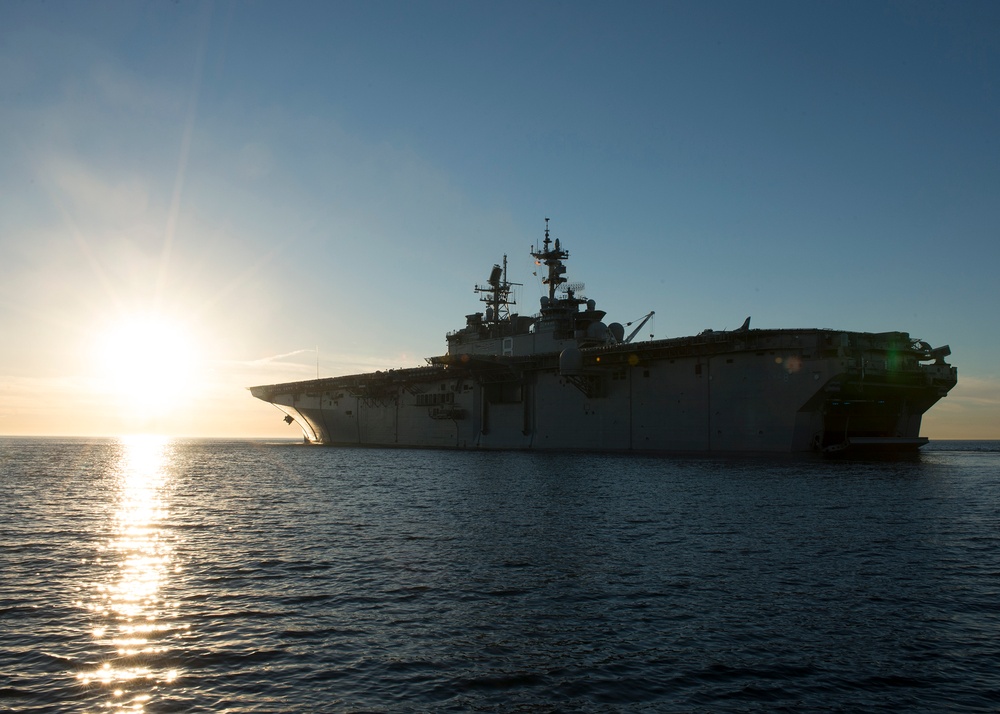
(146, 363)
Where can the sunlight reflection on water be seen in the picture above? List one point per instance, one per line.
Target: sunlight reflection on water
(127, 602)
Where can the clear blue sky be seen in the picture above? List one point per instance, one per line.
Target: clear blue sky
(277, 177)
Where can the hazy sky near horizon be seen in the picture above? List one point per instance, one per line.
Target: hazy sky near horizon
(276, 182)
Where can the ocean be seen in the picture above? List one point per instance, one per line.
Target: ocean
(158, 575)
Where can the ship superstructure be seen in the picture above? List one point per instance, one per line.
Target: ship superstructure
(564, 379)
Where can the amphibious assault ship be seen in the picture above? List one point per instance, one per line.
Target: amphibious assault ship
(565, 379)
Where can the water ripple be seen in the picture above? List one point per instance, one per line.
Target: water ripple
(253, 577)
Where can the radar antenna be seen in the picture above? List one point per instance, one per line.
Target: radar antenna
(497, 294)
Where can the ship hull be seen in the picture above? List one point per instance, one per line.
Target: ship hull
(747, 391)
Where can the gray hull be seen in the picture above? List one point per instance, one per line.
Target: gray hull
(742, 391)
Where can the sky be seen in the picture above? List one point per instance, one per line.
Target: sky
(197, 197)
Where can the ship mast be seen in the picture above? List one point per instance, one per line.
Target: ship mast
(553, 258)
(497, 295)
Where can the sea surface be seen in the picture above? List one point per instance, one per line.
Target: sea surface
(156, 575)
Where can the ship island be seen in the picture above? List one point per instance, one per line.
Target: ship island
(564, 379)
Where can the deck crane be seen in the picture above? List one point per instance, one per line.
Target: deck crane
(634, 332)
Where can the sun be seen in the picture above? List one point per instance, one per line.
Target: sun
(145, 362)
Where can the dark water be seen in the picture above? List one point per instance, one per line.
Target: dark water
(161, 576)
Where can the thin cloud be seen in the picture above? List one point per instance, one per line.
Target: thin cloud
(974, 392)
(263, 361)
